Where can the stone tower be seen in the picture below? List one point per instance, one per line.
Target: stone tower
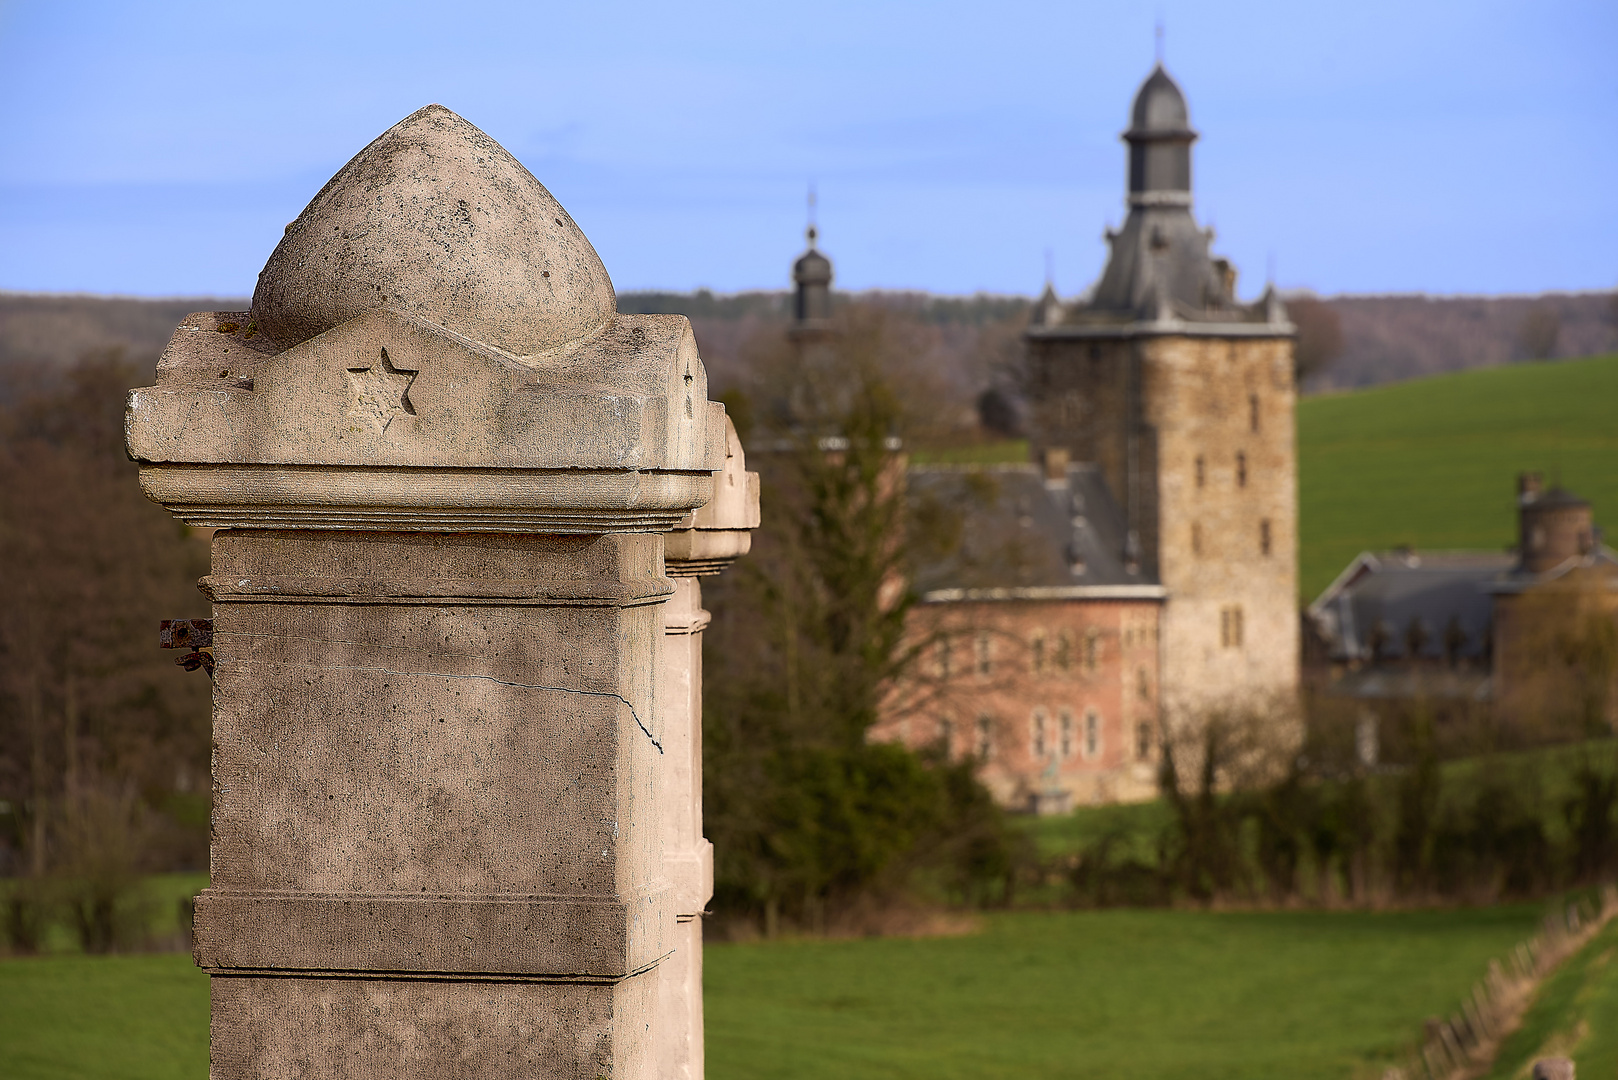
(1183, 398)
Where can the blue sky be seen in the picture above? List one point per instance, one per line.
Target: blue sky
(159, 148)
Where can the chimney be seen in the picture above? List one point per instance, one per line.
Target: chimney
(1529, 486)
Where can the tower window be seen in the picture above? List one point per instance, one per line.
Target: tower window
(1092, 733)
(985, 656)
(1196, 538)
(1252, 412)
(1202, 472)
(1241, 469)
(1230, 626)
(985, 737)
(1264, 536)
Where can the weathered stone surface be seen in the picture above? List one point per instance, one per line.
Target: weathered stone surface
(713, 537)
(626, 415)
(441, 468)
(375, 1029)
(719, 531)
(436, 220)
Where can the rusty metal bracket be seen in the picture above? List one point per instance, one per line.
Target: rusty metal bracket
(193, 634)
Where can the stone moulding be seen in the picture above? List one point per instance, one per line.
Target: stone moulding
(223, 496)
(555, 937)
(369, 426)
(720, 531)
(437, 592)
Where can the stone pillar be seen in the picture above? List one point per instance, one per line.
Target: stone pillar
(709, 540)
(442, 466)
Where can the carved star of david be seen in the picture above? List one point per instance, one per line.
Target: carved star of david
(381, 392)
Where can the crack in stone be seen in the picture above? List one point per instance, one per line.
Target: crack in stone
(520, 686)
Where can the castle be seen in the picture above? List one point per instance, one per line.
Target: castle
(1140, 574)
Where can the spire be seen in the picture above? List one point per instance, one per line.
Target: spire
(811, 277)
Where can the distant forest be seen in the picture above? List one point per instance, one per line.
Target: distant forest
(1375, 339)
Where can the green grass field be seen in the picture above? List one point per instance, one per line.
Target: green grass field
(1159, 994)
(1119, 993)
(1432, 463)
(1574, 1014)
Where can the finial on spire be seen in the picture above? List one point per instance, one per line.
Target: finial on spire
(812, 231)
(1159, 38)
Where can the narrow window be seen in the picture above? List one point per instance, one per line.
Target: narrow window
(1092, 650)
(1230, 626)
(1196, 538)
(985, 738)
(1143, 741)
(1092, 733)
(1202, 472)
(1143, 684)
(1036, 648)
(944, 665)
(1067, 733)
(1064, 651)
(1038, 731)
(1264, 536)
(1241, 469)
(1252, 412)
(985, 659)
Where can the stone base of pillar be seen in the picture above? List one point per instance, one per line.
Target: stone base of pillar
(300, 1028)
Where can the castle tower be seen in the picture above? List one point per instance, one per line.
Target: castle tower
(1183, 398)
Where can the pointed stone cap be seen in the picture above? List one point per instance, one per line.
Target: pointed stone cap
(433, 347)
(435, 220)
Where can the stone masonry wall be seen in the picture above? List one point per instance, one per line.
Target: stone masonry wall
(1223, 410)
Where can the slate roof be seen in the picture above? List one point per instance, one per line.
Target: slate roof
(1023, 537)
(1444, 594)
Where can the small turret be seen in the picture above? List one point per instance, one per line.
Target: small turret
(1159, 138)
(1554, 526)
(811, 275)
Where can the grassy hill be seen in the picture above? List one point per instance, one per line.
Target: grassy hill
(1432, 463)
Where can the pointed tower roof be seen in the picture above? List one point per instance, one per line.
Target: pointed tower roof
(1160, 272)
(1159, 110)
